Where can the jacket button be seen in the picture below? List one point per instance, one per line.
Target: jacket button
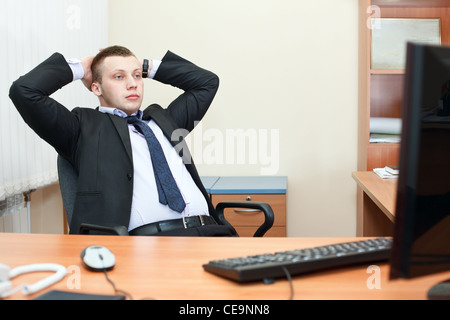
(129, 176)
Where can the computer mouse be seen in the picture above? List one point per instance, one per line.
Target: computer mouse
(98, 258)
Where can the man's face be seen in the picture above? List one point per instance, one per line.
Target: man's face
(122, 86)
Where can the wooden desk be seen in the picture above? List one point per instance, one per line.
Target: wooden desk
(171, 268)
(376, 204)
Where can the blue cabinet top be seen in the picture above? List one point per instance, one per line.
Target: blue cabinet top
(246, 185)
(209, 182)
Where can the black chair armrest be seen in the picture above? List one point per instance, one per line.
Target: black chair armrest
(85, 228)
(262, 206)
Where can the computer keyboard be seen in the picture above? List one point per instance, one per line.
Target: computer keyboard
(295, 262)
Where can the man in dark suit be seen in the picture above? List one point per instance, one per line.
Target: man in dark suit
(116, 182)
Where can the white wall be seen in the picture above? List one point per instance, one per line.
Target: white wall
(287, 68)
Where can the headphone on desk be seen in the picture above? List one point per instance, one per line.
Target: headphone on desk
(6, 274)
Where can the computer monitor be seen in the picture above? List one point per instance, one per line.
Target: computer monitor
(421, 243)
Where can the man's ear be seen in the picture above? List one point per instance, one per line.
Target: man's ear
(96, 89)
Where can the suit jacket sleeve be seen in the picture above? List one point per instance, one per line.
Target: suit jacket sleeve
(49, 119)
(199, 86)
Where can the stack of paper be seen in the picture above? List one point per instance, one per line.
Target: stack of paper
(385, 174)
(385, 130)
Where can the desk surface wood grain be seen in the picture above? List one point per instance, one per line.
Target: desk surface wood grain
(171, 268)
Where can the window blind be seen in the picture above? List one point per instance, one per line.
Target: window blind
(30, 32)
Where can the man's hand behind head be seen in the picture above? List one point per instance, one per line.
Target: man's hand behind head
(87, 79)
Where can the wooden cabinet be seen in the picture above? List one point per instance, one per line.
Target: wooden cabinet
(381, 90)
(271, 190)
(247, 221)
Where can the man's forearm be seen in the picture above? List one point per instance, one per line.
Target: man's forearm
(199, 86)
(30, 94)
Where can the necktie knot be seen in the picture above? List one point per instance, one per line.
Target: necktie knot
(132, 119)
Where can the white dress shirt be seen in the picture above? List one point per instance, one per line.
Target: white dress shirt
(145, 206)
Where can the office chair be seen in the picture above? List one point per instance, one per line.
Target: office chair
(68, 184)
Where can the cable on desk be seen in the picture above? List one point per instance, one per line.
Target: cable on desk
(115, 288)
(291, 285)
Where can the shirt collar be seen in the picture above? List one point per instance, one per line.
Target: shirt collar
(119, 113)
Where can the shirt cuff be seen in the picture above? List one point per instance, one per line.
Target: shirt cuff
(77, 69)
(155, 66)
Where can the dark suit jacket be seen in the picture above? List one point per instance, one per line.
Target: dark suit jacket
(98, 144)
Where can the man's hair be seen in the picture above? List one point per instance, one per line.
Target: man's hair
(102, 55)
